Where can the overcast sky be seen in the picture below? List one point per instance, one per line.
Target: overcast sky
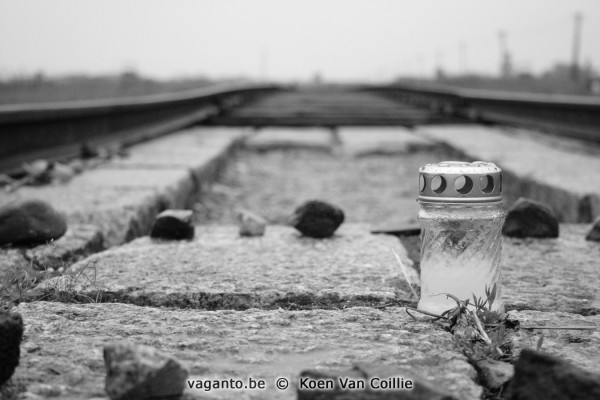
(365, 40)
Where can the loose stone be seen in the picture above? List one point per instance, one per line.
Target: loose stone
(136, 371)
(11, 334)
(317, 219)
(529, 218)
(62, 173)
(594, 233)
(539, 376)
(251, 224)
(27, 222)
(173, 225)
(39, 172)
(495, 373)
(87, 151)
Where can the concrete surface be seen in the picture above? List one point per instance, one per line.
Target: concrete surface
(285, 138)
(579, 346)
(313, 299)
(218, 269)
(560, 274)
(122, 196)
(376, 189)
(363, 141)
(550, 170)
(63, 346)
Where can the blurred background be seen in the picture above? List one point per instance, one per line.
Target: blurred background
(72, 49)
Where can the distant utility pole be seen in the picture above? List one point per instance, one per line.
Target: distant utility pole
(439, 64)
(576, 46)
(505, 62)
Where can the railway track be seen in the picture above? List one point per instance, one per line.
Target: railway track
(566, 115)
(55, 131)
(59, 130)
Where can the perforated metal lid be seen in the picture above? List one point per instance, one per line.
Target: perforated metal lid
(460, 182)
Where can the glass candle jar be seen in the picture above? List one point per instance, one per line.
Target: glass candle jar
(461, 221)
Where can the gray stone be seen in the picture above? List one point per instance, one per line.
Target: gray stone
(580, 347)
(529, 218)
(283, 269)
(251, 224)
(39, 172)
(136, 371)
(87, 150)
(62, 173)
(552, 274)
(494, 374)
(27, 222)
(11, 334)
(539, 376)
(225, 344)
(6, 180)
(173, 225)
(77, 165)
(594, 233)
(317, 219)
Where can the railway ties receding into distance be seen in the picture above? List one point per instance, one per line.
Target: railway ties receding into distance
(58, 130)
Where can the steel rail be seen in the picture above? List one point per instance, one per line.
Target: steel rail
(58, 130)
(567, 115)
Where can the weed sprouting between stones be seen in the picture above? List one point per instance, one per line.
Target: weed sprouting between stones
(17, 285)
(23, 283)
(478, 331)
(74, 286)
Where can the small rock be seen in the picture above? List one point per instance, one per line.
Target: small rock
(174, 225)
(6, 180)
(31, 347)
(76, 375)
(62, 173)
(87, 151)
(495, 373)
(529, 218)
(594, 233)
(317, 219)
(77, 165)
(251, 224)
(45, 390)
(141, 372)
(539, 376)
(11, 334)
(26, 222)
(39, 172)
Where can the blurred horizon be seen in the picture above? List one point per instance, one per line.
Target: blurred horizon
(284, 40)
(69, 49)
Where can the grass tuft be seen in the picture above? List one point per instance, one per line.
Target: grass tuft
(23, 283)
